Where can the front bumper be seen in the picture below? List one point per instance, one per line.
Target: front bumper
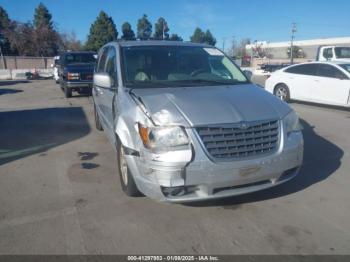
(79, 84)
(194, 177)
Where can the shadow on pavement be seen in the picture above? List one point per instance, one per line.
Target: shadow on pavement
(28, 132)
(6, 91)
(321, 160)
(322, 106)
(13, 82)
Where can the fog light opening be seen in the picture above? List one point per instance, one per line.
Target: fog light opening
(178, 190)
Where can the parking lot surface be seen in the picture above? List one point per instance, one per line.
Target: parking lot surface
(60, 191)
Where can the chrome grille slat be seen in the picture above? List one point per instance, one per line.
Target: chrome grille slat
(235, 138)
(227, 144)
(230, 142)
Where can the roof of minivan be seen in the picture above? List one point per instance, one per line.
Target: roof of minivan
(159, 43)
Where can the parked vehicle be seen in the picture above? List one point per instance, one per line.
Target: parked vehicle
(188, 125)
(319, 82)
(333, 53)
(55, 69)
(75, 72)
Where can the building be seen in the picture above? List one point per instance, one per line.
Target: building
(278, 50)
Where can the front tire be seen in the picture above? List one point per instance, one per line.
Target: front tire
(282, 92)
(67, 92)
(97, 120)
(126, 179)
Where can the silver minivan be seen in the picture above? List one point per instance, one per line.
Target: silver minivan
(187, 125)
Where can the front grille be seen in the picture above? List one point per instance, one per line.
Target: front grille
(233, 142)
(86, 76)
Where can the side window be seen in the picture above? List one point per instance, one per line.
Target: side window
(305, 69)
(110, 63)
(327, 53)
(330, 71)
(102, 61)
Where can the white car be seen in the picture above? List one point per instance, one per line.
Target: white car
(319, 82)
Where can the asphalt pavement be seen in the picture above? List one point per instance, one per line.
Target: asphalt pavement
(60, 190)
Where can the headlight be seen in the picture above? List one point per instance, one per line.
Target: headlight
(162, 137)
(291, 123)
(73, 76)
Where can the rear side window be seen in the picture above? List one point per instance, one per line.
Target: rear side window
(305, 69)
(102, 61)
(330, 71)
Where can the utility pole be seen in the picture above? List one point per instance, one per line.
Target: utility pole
(294, 30)
(223, 43)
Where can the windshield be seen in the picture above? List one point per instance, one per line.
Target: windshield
(159, 66)
(79, 58)
(346, 67)
(342, 52)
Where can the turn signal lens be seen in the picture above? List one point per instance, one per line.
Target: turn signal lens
(143, 131)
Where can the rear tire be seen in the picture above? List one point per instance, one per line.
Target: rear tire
(126, 179)
(67, 92)
(97, 120)
(282, 92)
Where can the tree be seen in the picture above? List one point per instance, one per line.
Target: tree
(239, 50)
(297, 52)
(161, 29)
(102, 31)
(6, 26)
(128, 33)
(175, 37)
(198, 36)
(45, 37)
(209, 38)
(203, 37)
(22, 40)
(42, 17)
(144, 28)
(4, 19)
(69, 41)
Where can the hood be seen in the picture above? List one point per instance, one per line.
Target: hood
(80, 67)
(198, 106)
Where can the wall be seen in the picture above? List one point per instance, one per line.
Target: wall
(25, 62)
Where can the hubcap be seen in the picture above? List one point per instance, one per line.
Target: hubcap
(281, 93)
(123, 167)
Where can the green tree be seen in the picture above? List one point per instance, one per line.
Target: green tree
(128, 33)
(42, 17)
(44, 36)
(144, 28)
(209, 38)
(297, 52)
(198, 36)
(175, 37)
(5, 30)
(4, 19)
(102, 31)
(161, 29)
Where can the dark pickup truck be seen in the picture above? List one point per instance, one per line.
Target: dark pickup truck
(75, 72)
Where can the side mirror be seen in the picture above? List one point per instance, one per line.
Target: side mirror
(248, 74)
(103, 80)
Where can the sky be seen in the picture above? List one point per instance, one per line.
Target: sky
(268, 20)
